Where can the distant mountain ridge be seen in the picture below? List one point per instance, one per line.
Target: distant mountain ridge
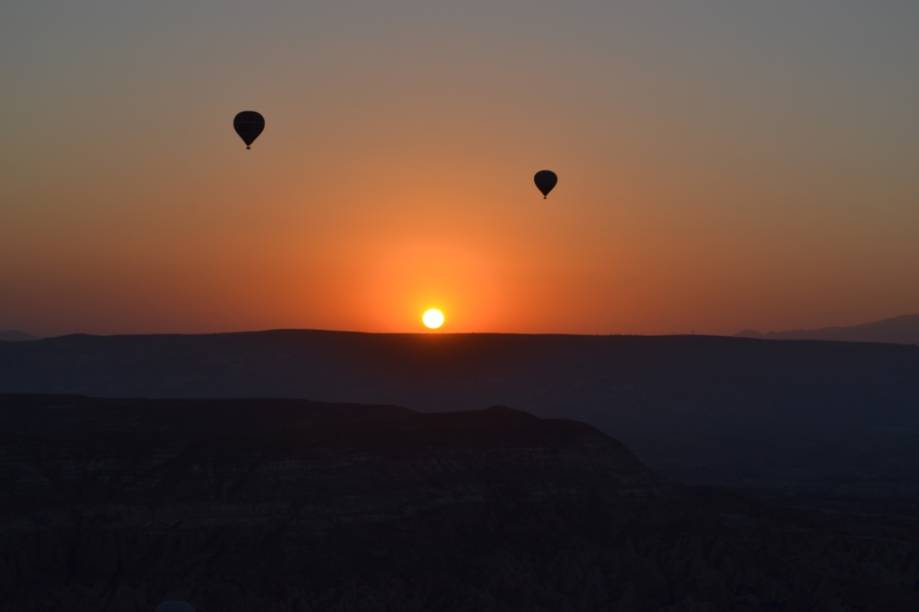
(12, 335)
(896, 330)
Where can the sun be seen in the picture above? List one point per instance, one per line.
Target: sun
(433, 318)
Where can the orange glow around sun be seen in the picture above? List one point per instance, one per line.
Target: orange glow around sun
(433, 318)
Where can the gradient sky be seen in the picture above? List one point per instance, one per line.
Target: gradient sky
(723, 165)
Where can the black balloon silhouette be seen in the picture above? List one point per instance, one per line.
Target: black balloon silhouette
(545, 181)
(248, 124)
(175, 606)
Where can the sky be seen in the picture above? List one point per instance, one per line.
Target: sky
(722, 165)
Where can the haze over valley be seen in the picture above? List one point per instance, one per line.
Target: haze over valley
(786, 415)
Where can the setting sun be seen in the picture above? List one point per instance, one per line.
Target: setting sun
(433, 318)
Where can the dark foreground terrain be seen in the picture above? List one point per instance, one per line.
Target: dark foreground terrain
(263, 505)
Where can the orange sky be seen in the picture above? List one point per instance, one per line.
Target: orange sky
(706, 183)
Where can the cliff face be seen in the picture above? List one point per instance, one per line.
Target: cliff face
(360, 462)
(133, 499)
(291, 505)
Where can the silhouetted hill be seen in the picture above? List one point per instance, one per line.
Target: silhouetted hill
(15, 336)
(792, 415)
(271, 505)
(898, 330)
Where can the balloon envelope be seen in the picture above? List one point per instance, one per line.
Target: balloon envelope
(545, 181)
(175, 606)
(248, 124)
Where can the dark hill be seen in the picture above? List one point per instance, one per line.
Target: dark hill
(271, 505)
(791, 415)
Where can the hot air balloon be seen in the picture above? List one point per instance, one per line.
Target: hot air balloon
(545, 181)
(175, 606)
(248, 124)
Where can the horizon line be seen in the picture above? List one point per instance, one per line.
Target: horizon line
(376, 333)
